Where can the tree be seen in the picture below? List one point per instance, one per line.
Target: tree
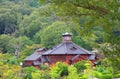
(4, 40)
(10, 14)
(17, 44)
(8, 22)
(32, 24)
(49, 37)
(90, 13)
(28, 50)
(94, 13)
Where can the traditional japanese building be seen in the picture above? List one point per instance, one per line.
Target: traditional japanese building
(66, 51)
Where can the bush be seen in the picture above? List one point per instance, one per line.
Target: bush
(43, 67)
(45, 74)
(100, 69)
(116, 75)
(98, 74)
(55, 71)
(64, 69)
(84, 77)
(28, 72)
(72, 73)
(13, 60)
(103, 76)
(1, 63)
(106, 76)
(80, 66)
(29, 69)
(59, 70)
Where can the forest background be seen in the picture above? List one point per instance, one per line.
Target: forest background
(26, 25)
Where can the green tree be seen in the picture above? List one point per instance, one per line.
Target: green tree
(72, 73)
(17, 44)
(80, 66)
(94, 13)
(32, 24)
(10, 14)
(28, 50)
(51, 35)
(4, 40)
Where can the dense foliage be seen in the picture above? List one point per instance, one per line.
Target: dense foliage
(56, 71)
(26, 25)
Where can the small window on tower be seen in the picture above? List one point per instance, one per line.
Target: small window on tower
(73, 48)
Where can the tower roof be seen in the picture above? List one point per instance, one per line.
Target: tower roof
(67, 48)
(66, 34)
(66, 37)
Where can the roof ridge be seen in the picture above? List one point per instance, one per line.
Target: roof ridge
(86, 51)
(56, 47)
(66, 47)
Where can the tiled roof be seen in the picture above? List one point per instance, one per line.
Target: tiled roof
(92, 57)
(34, 56)
(36, 63)
(66, 33)
(67, 48)
(44, 59)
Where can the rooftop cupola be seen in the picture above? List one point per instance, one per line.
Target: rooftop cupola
(66, 37)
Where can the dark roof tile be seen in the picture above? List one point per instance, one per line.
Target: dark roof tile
(91, 57)
(34, 56)
(67, 48)
(36, 63)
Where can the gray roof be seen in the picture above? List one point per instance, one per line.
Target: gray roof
(66, 33)
(41, 49)
(67, 48)
(44, 59)
(34, 56)
(36, 63)
(92, 57)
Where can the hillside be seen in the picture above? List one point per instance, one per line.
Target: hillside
(26, 25)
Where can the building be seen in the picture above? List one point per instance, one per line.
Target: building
(66, 51)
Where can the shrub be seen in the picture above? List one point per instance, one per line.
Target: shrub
(98, 74)
(64, 69)
(72, 73)
(59, 70)
(36, 75)
(100, 69)
(13, 60)
(1, 63)
(29, 69)
(45, 74)
(84, 77)
(43, 67)
(106, 76)
(28, 72)
(28, 76)
(55, 71)
(116, 75)
(80, 66)
(102, 76)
